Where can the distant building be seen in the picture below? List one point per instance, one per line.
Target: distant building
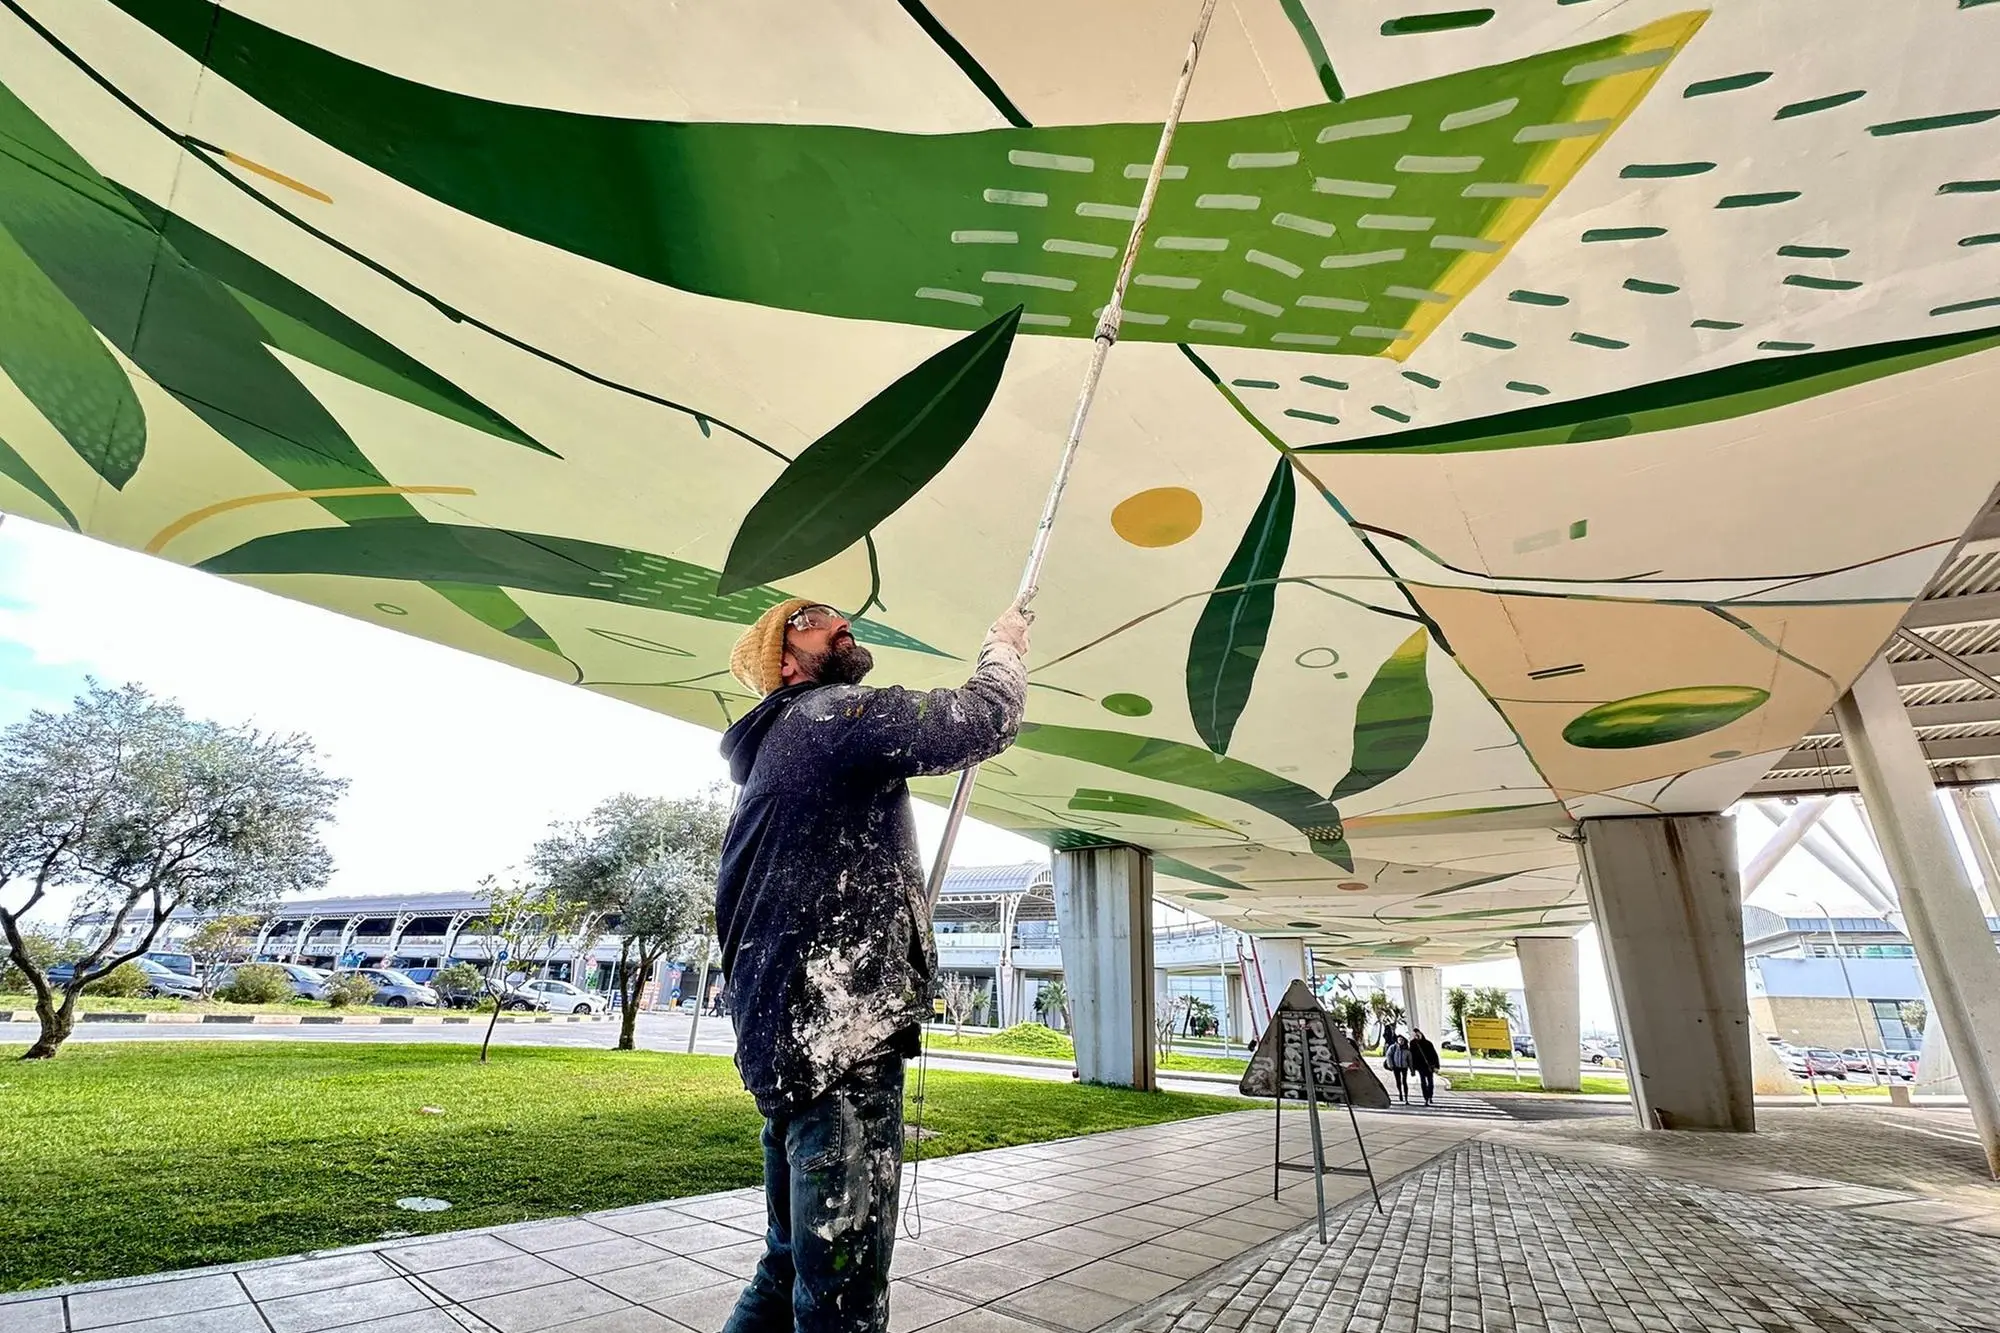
(1833, 981)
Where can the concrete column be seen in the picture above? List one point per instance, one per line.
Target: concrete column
(1104, 919)
(1944, 920)
(1982, 830)
(1668, 904)
(1423, 999)
(1281, 961)
(1555, 1008)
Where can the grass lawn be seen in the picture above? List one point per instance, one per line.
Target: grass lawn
(143, 1004)
(1044, 1043)
(1464, 1082)
(136, 1157)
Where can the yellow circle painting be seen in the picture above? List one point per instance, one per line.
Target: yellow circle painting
(1159, 517)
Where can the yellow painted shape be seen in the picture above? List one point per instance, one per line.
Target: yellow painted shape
(1611, 99)
(206, 512)
(1163, 516)
(280, 177)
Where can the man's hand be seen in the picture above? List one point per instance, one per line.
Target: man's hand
(1011, 628)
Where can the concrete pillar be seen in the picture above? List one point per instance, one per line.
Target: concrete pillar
(1555, 1008)
(1423, 1001)
(1982, 830)
(1281, 962)
(1104, 920)
(1944, 920)
(1668, 904)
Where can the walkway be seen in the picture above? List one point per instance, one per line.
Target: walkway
(1058, 1236)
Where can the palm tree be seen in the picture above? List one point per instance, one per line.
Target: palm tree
(1456, 1001)
(1053, 998)
(1353, 1015)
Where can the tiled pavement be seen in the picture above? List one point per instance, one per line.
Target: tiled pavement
(1533, 1230)
(1049, 1237)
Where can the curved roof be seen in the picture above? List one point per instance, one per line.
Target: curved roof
(1451, 482)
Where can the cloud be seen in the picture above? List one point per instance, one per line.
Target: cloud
(457, 764)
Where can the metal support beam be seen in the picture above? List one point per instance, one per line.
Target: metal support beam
(1792, 826)
(1943, 919)
(1982, 829)
(1950, 659)
(1951, 612)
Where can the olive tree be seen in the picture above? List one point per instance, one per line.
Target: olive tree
(645, 866)
(142, 811)
(520, 921)
(227, 938)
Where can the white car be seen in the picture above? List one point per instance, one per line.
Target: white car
(559, 997)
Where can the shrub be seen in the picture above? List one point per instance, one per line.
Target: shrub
(349, 988)
(257, 983)
(122, 982)
(458, 979)
(45, 947)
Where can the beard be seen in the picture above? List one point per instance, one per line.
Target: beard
(844, 662)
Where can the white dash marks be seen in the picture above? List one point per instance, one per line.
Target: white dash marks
(1340, 303)
(1592, 70)
(1394, 222)
(1002, 279)
(1478, 245)
(1242, 203)
(1018, 198)
(1088, 249)
(1364, 259)
(1352, 189)
(1273, 262)
(1022, 157)
(1295, 222)
(1262, 161)
(1307, 339)
(1245, 302)
(1503, 190)
(1114, 212)
(1215, 326)
(1138, 171)
(1169, 281)
(1479, 115)
(1402, 293)
(946, 294)
(1569, 129)
(1419, 164)
(1215, 244)
(1363, 129)
(986, 238)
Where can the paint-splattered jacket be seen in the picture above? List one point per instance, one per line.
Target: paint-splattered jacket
(826, 942)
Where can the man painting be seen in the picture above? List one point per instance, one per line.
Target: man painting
(826, 939)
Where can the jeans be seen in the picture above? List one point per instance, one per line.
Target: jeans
(1402, 1083)
(1424, 1076)
(831, 1175)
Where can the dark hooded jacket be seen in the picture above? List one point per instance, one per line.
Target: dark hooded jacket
(826, 941)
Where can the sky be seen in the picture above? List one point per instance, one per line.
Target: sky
(457, 764)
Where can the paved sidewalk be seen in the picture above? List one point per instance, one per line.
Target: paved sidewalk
(1535, 1230)
(1056, 1237)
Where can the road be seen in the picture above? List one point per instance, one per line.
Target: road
(657, 1032)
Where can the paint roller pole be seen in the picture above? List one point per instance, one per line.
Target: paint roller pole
(1107, 335)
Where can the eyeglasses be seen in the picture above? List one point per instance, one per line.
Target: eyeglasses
(815, 617)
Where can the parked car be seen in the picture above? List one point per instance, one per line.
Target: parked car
(1603, 1052)
(308, 983)
(1903, 1064)
(1451, 1043)
(558, 997)
(182, 963)
(398, 990)
(167, 983)
(1524, 1045)
(1814, 1062)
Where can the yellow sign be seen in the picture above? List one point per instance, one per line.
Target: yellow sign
(1488, 1034)
(937, 1007)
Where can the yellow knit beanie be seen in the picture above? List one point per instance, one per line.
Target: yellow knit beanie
(758, 659)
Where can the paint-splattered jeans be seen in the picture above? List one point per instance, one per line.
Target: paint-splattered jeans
(831, 1174)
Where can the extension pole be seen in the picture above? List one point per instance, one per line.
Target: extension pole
(1107, 334)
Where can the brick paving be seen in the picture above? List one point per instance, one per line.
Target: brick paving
(1498, 1237)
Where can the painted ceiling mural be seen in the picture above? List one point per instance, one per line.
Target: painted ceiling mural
(1525, 413)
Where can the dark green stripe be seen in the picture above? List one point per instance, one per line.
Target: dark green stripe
(1322, 381)
(1776, 346)
(1969, 187)
(1988, 239)
(1255, 384)
(1813, 251)
(961, 57)
(1756, 200)
(1623, 233)
(1640, 171)
(1411, 24)
(1728, 84)
(1818, 104)
(1820, 284)
(1518, 387)
(1650, 288)
(1967, 305)
(1526, 297)
(1304, 415)
(1484, 340)
(1302, 23)
(1592, 340)
(1716, 324)
(1922, 123)
(1415, 378)
(1389, 412)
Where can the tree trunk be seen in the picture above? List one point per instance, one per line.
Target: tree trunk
(58, 1021)
(629, 990)
(491, 1023)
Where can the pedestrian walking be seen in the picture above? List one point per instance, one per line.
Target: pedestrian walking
(1397, 1060)
(827, 954)
(1424, 1060)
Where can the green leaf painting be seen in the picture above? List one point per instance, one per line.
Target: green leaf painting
(1144, 807)
(61, 366)
(413, 549)
(1392, 721)
(1689, 400)
(943, 229)
(1662, 716)
(866, 468)
(1190, 766)
(15, 467)
(1228, 642)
